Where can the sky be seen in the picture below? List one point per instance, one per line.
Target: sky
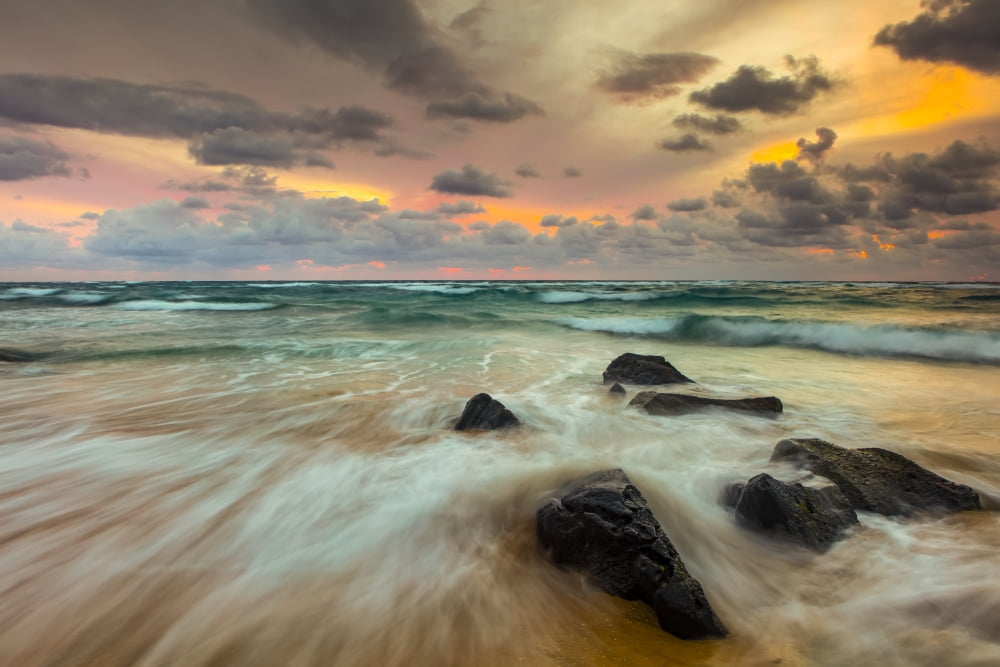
(513, 139)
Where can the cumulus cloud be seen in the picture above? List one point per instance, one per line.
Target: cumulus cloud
(22, 158)
(643, 77)
(644, 212)
(394, 38)
(499, 109)
(527, 171)
(556, 220)
(572, 172)
(470, 181)
(755, 88)
(685, 143)
(237, 146)
(721, 124)
(688, 205)
(816, 150)
(964, 32)
(460, 207)
(195, 201)
(725, 199)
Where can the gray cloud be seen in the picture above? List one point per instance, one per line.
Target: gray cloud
(470, 181)
(572, 172)
(392, 37)
(816, 150)
(644, 212)
(90, 215)
(527, 171)
(461, 207)
(635, 77)
(556, 220)
(195, 201)
(753, 88)
(964, 32)
(685, 143)
(688, 205)
(22, 158)
(475, 106)
(237, 146)
(721, 124)
(725, 199)
(21, 226)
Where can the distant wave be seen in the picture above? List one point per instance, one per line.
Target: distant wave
(437, 289)
(880, 340)
(560, 296)
(85, 298)
(28, 292)
(277, 285)
(191, 305)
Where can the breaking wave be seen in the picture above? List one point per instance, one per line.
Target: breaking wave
(192, 305)
(881, 340)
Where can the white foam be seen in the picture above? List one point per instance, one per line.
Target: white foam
(576, 297)
(84, 298)
(438, 289)
(277, 285)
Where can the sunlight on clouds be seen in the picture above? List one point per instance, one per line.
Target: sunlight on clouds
(316, 188)
(776, 152)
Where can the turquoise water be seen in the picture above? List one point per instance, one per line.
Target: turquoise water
(264, 473)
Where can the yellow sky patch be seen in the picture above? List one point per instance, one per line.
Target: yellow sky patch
(315, 188)
(775, 152)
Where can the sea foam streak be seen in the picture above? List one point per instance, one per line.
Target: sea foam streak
(191, 305)
(881, 340)
(577, 297)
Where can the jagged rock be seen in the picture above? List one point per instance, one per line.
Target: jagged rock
(601, 523)
(675, 404)
(814, 518)
(643, 369)
(616, 389)
(877, 480)
(482, 411)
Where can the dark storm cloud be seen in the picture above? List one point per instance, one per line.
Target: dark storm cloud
(788, 181)
(795, 225)
(721, 124)
(392, 37)
(461, 207)
(120, 107)
(688, 205)
(964, 32)
(527, 171)
(22, 158)
(470, 181)
(816, 150)
(572, 172)
(642, 77)
(725, 199)
(685, 143)
(236, 146)
(475, 106)
(754, 88)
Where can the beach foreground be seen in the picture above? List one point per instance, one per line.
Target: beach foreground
(267, 473)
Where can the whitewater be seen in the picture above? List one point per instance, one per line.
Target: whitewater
(266, 473)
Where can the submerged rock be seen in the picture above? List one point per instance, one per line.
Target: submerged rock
(616, 389)
(877, 480)
(643, 369)
(676, 404)
(602, 523)
(15, 356)
(814, 518)
(482, 411)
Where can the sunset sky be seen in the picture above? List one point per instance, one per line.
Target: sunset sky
(389, 139)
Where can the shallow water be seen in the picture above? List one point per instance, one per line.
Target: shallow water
(236, 474)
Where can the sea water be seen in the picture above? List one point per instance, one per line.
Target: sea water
(224, 473)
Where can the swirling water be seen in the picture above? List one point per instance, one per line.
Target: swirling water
(265, 473)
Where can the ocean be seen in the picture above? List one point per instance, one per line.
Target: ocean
(233, 473)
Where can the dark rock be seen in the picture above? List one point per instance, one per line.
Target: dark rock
(643, 369)
(616, 389)
(15, 356)
(814, 518)
(601, 523)
(676, 404)
(877, 480)
(482, 411)
(731, 495)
